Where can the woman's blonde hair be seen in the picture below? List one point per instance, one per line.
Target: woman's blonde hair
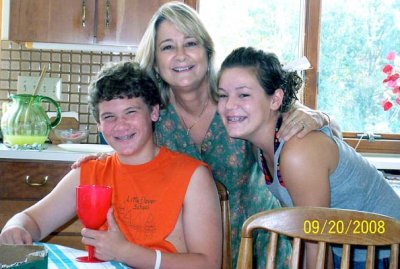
(187, 21)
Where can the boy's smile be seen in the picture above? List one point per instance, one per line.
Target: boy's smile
(127, 126)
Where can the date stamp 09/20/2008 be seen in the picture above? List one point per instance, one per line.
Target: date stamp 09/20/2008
(341, 227)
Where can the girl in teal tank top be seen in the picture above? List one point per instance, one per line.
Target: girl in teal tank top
(318, 170)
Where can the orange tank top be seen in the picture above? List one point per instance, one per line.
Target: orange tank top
(147, 198)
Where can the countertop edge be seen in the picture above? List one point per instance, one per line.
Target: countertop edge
(52, 153)
(55, 153)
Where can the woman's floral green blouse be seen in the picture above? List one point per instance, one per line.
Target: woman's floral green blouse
(232, 163)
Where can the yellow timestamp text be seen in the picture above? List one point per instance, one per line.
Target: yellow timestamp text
(344, 227)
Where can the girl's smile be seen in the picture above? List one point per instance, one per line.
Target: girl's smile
(243, 104)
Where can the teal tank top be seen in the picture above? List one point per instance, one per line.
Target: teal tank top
(355, 184)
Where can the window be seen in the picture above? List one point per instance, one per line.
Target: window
(274, 26)
(354, 39)
(346, 42)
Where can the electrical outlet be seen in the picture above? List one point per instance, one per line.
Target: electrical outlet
(50, 87)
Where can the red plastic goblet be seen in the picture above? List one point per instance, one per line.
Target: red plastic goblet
(92, 204)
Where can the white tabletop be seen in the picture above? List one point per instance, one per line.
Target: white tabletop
(60, 257)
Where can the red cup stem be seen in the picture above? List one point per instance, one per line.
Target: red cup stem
(91, 253)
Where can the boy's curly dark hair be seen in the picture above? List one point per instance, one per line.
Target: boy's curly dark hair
(269, 73)
(122, 80)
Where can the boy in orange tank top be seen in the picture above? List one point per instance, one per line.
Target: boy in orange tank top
(165, 210)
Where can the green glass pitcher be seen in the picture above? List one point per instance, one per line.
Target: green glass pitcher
(25, 124)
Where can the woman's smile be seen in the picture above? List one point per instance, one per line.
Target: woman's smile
(182, 69)
(180, 59)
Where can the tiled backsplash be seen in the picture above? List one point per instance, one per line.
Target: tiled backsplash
(75, 68)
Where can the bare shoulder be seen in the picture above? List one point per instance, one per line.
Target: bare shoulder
(71, 179)
(202, 177)
(305, 167)
(314, 147)
(201, 188)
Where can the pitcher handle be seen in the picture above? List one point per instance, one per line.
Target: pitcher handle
(57, 120)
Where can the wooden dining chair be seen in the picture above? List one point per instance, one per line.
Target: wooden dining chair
(322, 225)
(226, 226)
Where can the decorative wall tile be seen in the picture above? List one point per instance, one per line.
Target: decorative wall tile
(75, 68)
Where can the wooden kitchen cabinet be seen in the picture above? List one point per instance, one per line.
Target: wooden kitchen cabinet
(101, 22)
(51, 21)
(22, 183)
(128, 20)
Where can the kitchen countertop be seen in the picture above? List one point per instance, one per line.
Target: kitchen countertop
(383, 161)
(52, 153)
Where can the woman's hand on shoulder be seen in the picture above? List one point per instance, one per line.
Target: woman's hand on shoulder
(97, 156)
(300, 121)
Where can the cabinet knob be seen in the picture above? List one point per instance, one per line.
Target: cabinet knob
(108, 14)
(34, 183)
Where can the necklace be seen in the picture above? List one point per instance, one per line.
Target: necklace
(267, 174)
(188, 129)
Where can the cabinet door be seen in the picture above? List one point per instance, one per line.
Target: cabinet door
(123, 22)
(52, 21)
(30, 180)
(107, 22)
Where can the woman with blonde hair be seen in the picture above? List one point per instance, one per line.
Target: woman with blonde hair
(177, 51)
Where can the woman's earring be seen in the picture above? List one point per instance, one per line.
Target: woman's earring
(158, 78)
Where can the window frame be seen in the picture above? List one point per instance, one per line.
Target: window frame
(192, 3)
(388, 143)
